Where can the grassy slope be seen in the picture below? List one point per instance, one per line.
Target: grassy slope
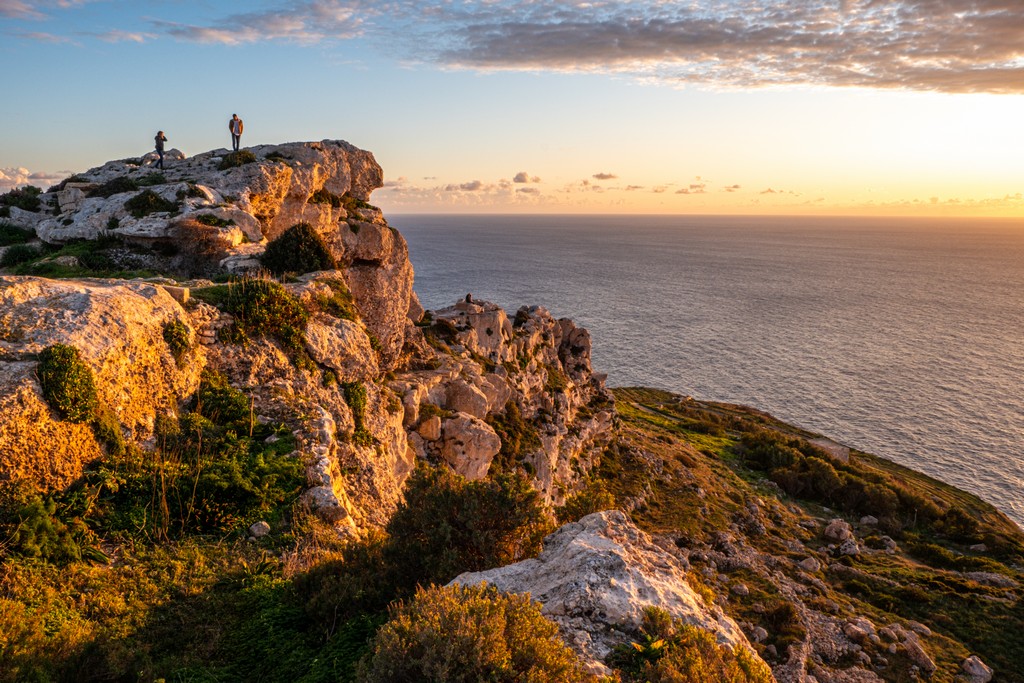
(707, 487)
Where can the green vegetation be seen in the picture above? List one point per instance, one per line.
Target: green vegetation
(718, 458)
(464, 634)
(352, 204)
(12, 234)
(355, 397)
(595, 497)
(519, 437)
(325, 196)
(178, 338)
(17, 254)
(339, 302)
(670, 650)
(147, 202)
(213, 221)
(92, 258)
(151, 179)
(299, 249)
(114, 186)
(262, 308)
(67, 383)
(236, 159)
(25, 198)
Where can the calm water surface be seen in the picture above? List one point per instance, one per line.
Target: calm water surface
(903, 338)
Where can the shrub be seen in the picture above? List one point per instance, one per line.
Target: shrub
(221, 403)
(519, 437)
(448, 525)
(235, 159)
(594, 498)
(178, 338)
(265, 308)
(67, 383)
(107, 429)
(670, 651)
(118, 185)
(31, 526)
(325, 196)
(352, 203)
(214, 221)
(151, 179)
(147, 202)
(25, 198)
(12, 234)
(17, 254)
(299, 249)
(467, 634)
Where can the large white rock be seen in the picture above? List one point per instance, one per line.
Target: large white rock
(595, 577)
(977, 670)
(469, 445)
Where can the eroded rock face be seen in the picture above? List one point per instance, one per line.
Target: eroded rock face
(595, 577)
(118, 329)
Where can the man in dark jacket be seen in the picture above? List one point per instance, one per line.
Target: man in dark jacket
(160, 139)
(235, 126)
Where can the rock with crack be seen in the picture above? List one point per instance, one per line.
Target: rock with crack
(595, 577)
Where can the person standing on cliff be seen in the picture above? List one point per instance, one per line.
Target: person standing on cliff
(160, 139)
(235, 125)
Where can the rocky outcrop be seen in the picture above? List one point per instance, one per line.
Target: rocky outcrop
(595, 577)
(118, 329)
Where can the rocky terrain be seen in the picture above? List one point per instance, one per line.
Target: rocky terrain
(257, 298)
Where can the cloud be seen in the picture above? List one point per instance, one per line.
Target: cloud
(43, 37)
(15, 9)
(305, 23)
(528, 190)
(694, 188)
(633, 188)
(949, 46)
(604, 176)
(118, 36)
(731, 188)
(524, 177)
(13, 177)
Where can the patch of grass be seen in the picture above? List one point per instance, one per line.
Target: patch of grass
(147, 202)
(355, 397)
(325, 196)
(519, 437)
(213, 221)
(114, 186)
(265, 308)
(236, 159)
(67, 383)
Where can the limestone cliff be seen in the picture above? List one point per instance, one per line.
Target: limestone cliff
(438, 390)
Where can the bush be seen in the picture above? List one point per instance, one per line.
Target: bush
(448, 525)
(67, 383)
(325, 196)
(339, 302)
(31, 527)
(213, 221)
(147, 202)
(468, 634)
(519, 437)
(235, 159)
(221, 403)
(25, 198)
(355, 397)
(670, 651)
(17, 254)
(12, 234)
(299, 249)
(118, 185)
(202, 247)
(595, 498)
(151, 179)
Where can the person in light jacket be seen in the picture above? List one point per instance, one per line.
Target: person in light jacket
(235, 125)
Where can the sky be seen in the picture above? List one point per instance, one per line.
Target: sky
(846, 107)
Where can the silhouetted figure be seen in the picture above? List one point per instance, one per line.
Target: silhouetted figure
(469, 298)
(235, 125)
(160, 139)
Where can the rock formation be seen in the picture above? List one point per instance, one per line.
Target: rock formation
(595, 577)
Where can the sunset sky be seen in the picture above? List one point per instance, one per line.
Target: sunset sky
(750, 106)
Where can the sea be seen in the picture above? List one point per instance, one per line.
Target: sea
(899, 337)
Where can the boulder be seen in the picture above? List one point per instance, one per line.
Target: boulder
(976, 670)
(463, 397)
(838, 530)
(595, 577)
(469, 445)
